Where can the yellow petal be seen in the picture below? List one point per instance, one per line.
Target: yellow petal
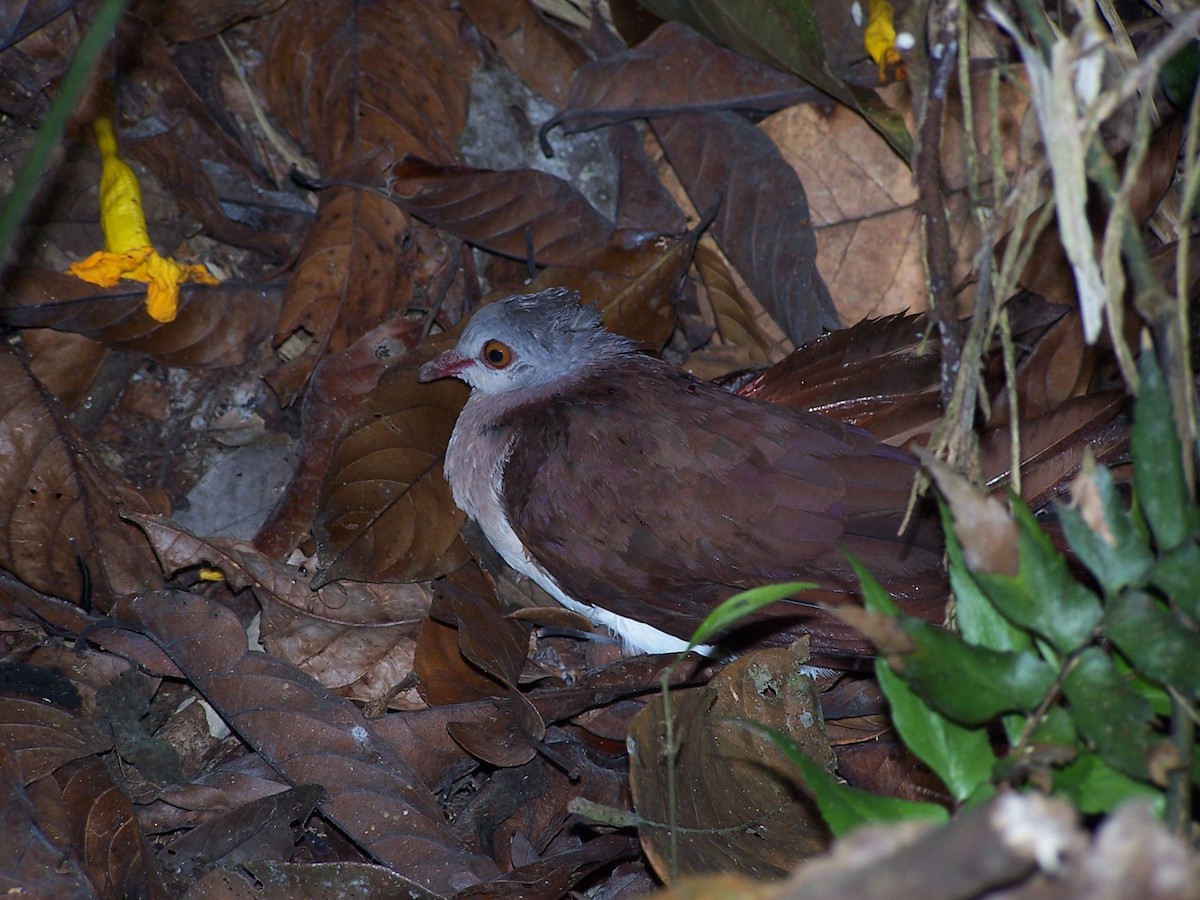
(121, 214)
(129, 252)
(106, 269)
(880, 39)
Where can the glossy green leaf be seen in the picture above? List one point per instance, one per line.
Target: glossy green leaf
(1043, 596)
(1178, 575)
(971, 684)
(968, 683)
(1158, 479)
(1093, 786)
(1109, 714)
(1056, 727)
(741, 605)
(1155, 641)
(978, 620)
(845, 808)
(961, 757)
(1127, 559)
(784, 33)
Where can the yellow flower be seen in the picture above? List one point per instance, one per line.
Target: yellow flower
(128, 252)
(880, 39)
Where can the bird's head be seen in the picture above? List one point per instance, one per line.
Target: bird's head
(526, 341)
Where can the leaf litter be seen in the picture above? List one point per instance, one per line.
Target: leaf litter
(384, 725)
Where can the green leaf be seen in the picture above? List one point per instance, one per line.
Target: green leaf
(1178, 75)
(1056, 727)
(978, 620)
(961, 757)
(1155, 641)
(845, 808)
(1093, 786)
(1043, 596)
(741, 605)
(1178, 575)
(970, 684)
(784, 33)
(1109, 714)
(875, 598)
(1158, 479)
(1125, 561)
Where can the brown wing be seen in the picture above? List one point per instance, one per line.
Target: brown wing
(653, 494)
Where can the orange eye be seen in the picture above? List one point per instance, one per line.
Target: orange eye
(496, 354)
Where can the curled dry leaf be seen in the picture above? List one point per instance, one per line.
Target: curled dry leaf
(762, 218)
(745, 809)
(261, 829)
(226, 787)
(734, 316)
(62, 508)
(312, 737)
(983, 525)
(355, 638)
(215, 326)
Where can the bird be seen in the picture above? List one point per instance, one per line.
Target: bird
(640, 496)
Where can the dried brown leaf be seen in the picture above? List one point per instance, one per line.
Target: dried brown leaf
(762, 218)
(524, 213)
(107, 832)
(350, 81)
(65, 363)
(745, 810)
(862, 195)
(357, 639)
(338, 385)
(557, 875)
(636, 288)
(312, 737)
(191, 151)
(18, 599)
(354, 272)
(1053, 445)
(386, 513)
(676, 70)
(43, 738)
(216, 326)
(984, 527)
(61, 507)
(540, 54)
(231, 785)
(357, 84)
(31, 863)
(191, 20)
(262, 829)
(734, 314)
